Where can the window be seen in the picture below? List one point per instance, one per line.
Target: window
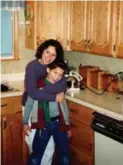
(9, 34)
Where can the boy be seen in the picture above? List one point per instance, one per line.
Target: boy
(49, 118)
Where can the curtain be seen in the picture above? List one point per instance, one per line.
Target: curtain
(12, 5)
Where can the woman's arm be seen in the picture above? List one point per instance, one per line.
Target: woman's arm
(31, 78)
(48, 93)
(58, 87)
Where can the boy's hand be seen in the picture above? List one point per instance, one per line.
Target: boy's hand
(26, 130)
(69, 133)
(60, 97)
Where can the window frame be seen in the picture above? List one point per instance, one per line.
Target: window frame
(15, 34)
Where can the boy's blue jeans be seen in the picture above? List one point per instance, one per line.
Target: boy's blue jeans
(41, 139)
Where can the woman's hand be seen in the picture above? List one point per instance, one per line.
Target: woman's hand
(26, 130)
(60, 97)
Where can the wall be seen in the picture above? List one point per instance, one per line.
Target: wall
(74, 58)
(113, 65)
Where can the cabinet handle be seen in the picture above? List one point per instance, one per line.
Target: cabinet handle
(89, 44)
(85, 42)
(38, 40)
(4, 123)
(4, 105)
(73, 110)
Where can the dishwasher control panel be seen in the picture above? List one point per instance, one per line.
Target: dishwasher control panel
(108, 126)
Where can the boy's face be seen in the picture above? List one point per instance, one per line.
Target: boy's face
(54, 75)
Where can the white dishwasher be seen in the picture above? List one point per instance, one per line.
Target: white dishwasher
(108, 135)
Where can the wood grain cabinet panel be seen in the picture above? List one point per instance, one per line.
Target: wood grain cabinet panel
(79, 158)
(50, 20)
(80, 112)
(91, 26)
(31, 25)
(118, 24)
(78, 25)
(81, 143)
(82, 137)
(53, 20)
(100, 40)
(12, 140)
(10, 105)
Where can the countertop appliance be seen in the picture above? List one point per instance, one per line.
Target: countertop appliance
(108, 135)
(73, 80)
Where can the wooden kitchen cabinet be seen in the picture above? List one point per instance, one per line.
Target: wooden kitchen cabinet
(82, 141)
(78, 32)
(12, 141)
(118, 28)
(31, 26)
(91, 26)
(50, 20)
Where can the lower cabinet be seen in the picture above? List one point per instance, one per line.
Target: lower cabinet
(12, 139)
(79, 158)
(81, 143)
(14, 150)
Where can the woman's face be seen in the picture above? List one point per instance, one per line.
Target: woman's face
(49, 55)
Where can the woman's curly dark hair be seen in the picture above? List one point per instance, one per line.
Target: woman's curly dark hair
(46, 44)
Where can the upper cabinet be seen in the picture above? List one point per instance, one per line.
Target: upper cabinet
(91, 26)
(78, 25)
(50, 20)
(31, 19)
(100, 28)
(84, 26)
(118, 24)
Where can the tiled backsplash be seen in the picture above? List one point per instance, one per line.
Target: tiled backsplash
(112, 65)
(74, 58)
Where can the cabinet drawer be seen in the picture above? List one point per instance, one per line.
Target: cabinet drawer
(82, 137)
(10, 105)
(79, 158)
(80, 112)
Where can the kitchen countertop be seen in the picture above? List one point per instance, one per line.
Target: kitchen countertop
(110, 104)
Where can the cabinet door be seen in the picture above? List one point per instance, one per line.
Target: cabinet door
(11, 136)
(91, 27)
(119, 29)
(53, 21)
(100, 29)
(82, 137)
(31, 28)
(80, 112)
(78, 25)
(79, 158)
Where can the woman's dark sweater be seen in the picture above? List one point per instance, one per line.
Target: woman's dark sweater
(34, 71)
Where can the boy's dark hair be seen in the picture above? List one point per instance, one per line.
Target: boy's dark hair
(46, 44)
(60, 64)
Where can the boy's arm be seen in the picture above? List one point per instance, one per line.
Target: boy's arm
(65, 112)
(28, 109)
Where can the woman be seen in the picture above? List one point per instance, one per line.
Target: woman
(49, 51)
